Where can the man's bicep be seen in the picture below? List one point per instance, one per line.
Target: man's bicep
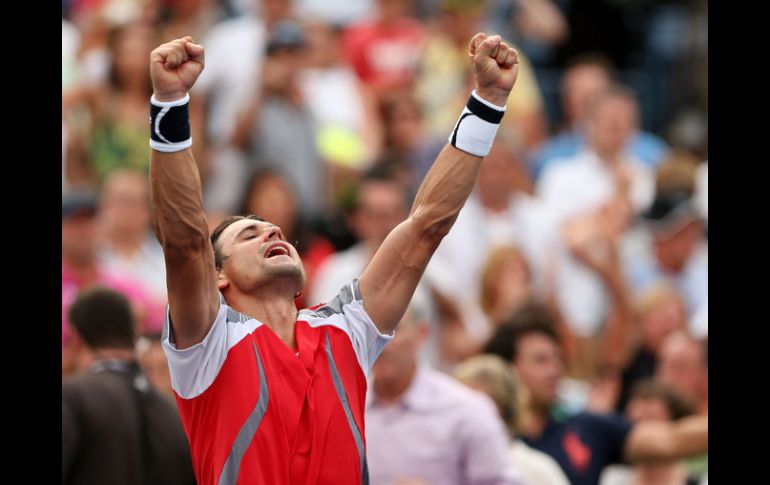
(389, 281)
(193, 296)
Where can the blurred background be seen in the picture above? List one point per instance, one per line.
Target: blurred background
(323, 117)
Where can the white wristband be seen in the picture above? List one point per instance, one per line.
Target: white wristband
(476, 128)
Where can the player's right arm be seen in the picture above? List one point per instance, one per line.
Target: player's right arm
(177, 202)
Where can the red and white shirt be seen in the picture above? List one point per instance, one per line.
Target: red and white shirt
(257, 412)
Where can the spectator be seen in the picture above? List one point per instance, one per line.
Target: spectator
(684, 367)
(423, 425)
(119, 129)
(593, 199)
(81, 269)
(382, 50)
(588, 76)
(506, 284)
(406, 146)
(445, 80)
(277, 128)
(659, 311)
(116, 428)
(584, 443)
(129, 248)
(342, 107)
(670, 246)
(231, 80)
(492, 376)
(652, 401)
(381, 205)
(499, 212)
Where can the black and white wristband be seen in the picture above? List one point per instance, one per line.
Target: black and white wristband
(476, 129)
(170, 124)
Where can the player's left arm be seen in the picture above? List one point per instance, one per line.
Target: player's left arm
(389, 281)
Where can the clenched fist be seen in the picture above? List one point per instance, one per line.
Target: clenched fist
(495, 67)
(174, 68)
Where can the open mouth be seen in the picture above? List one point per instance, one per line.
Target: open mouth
(277, 250)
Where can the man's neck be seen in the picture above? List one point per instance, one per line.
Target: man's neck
(127, 245)
(496, 204)
(390, 390)
(533, 420)
(276, 310)
(609, 158)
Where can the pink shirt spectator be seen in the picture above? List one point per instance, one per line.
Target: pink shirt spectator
(439, 432)
(150, 312)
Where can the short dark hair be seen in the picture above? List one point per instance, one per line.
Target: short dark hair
(103, 318)
(532, 318)
(383, 172)
(596, 59)
(219, 258)
(678, 405)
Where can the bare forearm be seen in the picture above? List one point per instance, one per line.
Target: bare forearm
(177, 201)
(444, 191)
(389, 281)
(619, 321)
(691, 436)
(660, 441)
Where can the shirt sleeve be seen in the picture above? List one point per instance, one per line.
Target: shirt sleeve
(194, 369)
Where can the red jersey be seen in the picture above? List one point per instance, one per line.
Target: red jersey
(257, 412)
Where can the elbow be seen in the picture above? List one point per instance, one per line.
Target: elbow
(432, 227)
(182, 243)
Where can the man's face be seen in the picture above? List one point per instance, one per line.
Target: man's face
(381, 208)
(540, 367)
(666, 317)
(256, 254)
(681, 366)
(78, 238)
(612, 125)
(125, 204)
(581, 85)
(673, 248)
(501, 174)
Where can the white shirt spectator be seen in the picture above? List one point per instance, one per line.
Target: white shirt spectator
(576, 187)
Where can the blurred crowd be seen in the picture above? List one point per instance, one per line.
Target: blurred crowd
(575, 278)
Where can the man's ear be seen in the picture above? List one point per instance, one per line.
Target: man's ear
(222, 281)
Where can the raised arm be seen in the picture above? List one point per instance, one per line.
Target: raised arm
(177, 199)
(388, 282)
(651, 441)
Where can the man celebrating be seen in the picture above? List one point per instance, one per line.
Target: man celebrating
(269, 394)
